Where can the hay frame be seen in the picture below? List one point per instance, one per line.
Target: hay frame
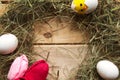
(103, 26)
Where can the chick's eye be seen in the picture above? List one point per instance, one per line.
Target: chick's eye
(81, 10)
(80, 4)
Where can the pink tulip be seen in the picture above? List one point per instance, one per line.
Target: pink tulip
(18, 68)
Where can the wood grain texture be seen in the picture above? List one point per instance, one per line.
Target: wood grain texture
(3, 9)
(62, 59)
(65, 43)
(59, 30)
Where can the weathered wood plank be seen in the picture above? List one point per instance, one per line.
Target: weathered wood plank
(58, 30)
(3, 9)
(62, 58)
(61, 38)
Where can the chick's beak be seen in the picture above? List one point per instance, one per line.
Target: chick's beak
(85, 7)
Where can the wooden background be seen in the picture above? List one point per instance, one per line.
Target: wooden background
(65, 43)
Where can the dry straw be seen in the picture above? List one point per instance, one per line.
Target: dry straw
(103, 25)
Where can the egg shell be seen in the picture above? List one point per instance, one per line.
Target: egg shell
(8, 43)
(107, 70)
(92, 5)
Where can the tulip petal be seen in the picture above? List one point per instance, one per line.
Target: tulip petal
(18, 68)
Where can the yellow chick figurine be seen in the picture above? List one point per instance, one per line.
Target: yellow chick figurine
(84, 6)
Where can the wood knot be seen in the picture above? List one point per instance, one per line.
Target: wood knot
(6, 1)
(47, 35)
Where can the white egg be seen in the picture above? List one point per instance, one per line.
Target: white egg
(107, 70)
(92, 5)
(8, 43)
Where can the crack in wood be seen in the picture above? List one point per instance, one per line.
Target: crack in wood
(61, 43)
